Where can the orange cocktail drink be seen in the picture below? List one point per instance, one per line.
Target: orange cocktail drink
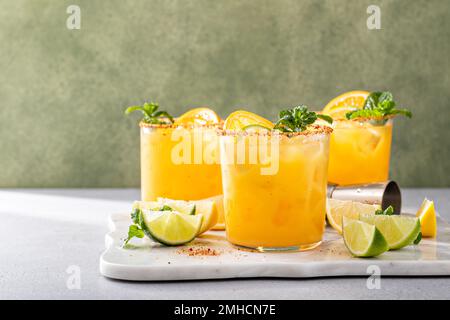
(360, 146)
(359, 151)
(179, 161)
(274, 188)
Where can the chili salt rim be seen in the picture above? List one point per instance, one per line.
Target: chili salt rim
(313, 129)
(363, 119)
(143, 124)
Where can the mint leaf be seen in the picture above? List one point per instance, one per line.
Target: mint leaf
(389, 211)
(418, 239)
(150, 113)
(298, 119)
(378, 105)
(325, 117)
(136, 216)
(165, 208)
(403, 112)
(134, 231)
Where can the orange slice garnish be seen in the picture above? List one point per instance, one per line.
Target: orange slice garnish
(202, 116)
(241, 119)
(346, 102)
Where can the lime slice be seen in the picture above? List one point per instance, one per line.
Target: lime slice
(363, 239)
(399, 231)
(336, 209)
(207, 208)
(256, 128)
(171, 228)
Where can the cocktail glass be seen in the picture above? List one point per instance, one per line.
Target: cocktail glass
(275, 188)
(179, 162)
(359, 151)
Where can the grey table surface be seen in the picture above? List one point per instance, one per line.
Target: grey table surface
(46, 234)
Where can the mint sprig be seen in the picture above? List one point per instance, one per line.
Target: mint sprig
(135, 230)
(378, 105)
(151, 113)
(298, 119)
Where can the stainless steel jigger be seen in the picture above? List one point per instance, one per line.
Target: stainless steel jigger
(385, 194)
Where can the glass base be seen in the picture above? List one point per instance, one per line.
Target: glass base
(302, 247)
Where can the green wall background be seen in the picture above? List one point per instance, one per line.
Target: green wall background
(63, 91)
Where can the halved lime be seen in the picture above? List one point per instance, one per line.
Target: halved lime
(363, 239)
(399, 231)
(171, 228)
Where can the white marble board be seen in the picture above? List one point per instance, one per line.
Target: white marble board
(149, 261)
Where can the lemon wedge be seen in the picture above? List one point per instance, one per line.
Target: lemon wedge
(220, 225)
(427, 217)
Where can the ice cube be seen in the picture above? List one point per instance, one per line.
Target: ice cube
(368, 140)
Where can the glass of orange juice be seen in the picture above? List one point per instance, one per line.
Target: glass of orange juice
(274, 187)
(359, 151)
(360, 145)
(179, 157)
(173, 162)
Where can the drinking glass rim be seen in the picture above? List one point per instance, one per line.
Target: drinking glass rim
(340, 124)
(143, 124)
(365, 119)
(311, 130)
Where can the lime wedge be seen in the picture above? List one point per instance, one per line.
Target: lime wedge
(171, 228)
(206, 208)
(146, 205)
(181, 206)
(399, 231)
(363, 239)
